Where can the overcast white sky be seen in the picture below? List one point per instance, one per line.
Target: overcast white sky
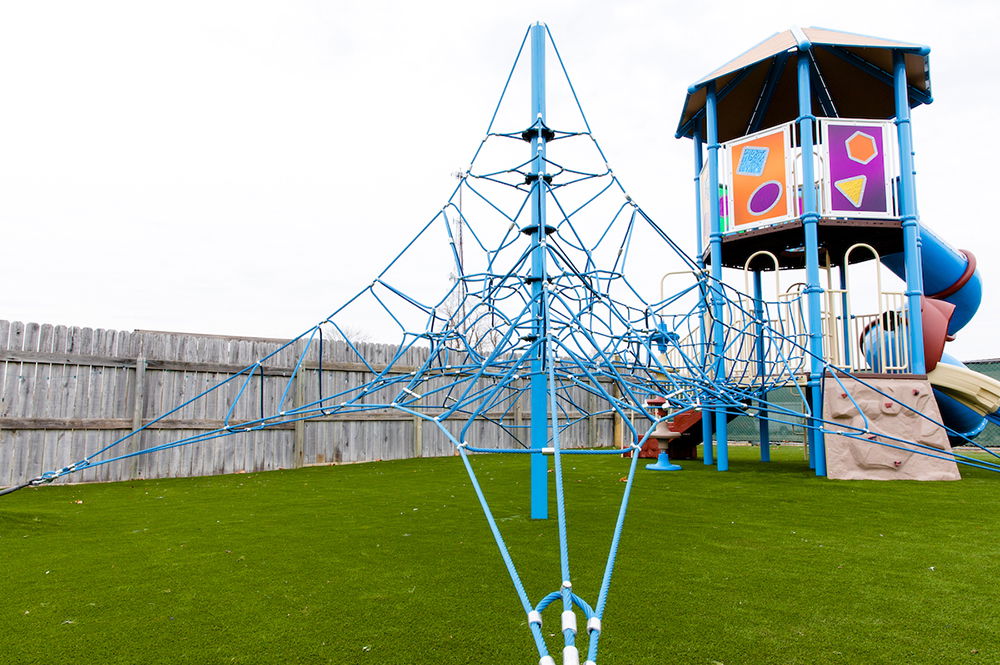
(243, 167)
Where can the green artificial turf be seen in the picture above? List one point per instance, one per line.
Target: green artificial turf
(392, 563)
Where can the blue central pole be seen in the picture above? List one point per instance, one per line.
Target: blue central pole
(539, 327)
(810, 222)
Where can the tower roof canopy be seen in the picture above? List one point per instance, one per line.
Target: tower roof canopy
(851, 77)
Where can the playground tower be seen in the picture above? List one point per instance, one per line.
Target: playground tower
(804, 160)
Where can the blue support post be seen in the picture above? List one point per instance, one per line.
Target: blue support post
(908, 214)
(715, 296)
(708, 450)
(538, 388)
(706, 422)
(810, 222)
(758, 313)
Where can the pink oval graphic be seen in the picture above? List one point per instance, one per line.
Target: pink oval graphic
(764, 198)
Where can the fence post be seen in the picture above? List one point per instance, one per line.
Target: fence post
(518, 410)
(592, 422)
(138, 409)
(418, 436)
(618, 431)
(299, 444)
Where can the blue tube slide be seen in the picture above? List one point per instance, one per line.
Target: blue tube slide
(949, 274)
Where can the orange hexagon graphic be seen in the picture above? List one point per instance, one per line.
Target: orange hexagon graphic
(861, 147)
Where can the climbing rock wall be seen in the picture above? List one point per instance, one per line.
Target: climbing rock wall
(888, 421)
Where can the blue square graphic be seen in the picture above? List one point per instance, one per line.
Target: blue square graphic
(752, 161)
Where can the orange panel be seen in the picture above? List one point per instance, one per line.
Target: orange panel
(760, 187)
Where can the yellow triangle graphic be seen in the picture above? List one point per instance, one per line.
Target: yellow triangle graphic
(853, 188)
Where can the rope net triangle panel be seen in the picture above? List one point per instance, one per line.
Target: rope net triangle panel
(541, 317)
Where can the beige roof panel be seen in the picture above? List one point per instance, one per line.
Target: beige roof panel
(776, 43)
(825, 36)
(783, 41)
(758, 87)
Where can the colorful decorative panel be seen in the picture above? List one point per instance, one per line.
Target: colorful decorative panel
(856, 158)
(760, 178)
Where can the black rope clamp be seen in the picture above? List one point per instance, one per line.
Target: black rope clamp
(540, 132)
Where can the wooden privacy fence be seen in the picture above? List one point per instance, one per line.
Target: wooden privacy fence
(67, 392)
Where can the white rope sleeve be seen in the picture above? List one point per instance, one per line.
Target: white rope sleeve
(569, 620)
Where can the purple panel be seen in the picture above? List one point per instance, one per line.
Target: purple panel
(857, 150)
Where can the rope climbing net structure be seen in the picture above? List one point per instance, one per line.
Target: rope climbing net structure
(541, 314)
